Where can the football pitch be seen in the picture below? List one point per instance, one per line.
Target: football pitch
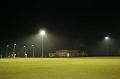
(60, 68)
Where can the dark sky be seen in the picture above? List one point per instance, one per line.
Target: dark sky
(87, 20)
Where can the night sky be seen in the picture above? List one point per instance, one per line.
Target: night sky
(83, 22)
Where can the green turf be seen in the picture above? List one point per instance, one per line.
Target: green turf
(60, 68)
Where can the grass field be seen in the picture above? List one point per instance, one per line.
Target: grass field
(60, 68)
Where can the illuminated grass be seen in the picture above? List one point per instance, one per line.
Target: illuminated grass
(60, 68)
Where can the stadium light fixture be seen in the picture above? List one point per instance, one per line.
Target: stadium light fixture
(33, 49)
(42, 33)
(106, 38)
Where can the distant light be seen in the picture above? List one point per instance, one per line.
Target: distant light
(42, 32)
(32, 45)
(24, 46)
(7, 45)
(14, 44)
(107, 38)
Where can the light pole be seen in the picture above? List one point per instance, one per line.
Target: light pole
(33, 50)
(42, 33)
(7, 46)
(107, 38)
(0, 52)
(14, 50)
(25, 51)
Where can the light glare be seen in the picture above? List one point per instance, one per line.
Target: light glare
(32, 45)
(106, 37)
(42, 32)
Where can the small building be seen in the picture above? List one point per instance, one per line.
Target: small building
(65, 53)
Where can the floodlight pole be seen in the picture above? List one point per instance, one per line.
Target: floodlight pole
(0, 52)
(33, 50)
(42, 34)
(108, 46)
(42, 46)
(25, 49)
(7, 50)
(14, 51)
